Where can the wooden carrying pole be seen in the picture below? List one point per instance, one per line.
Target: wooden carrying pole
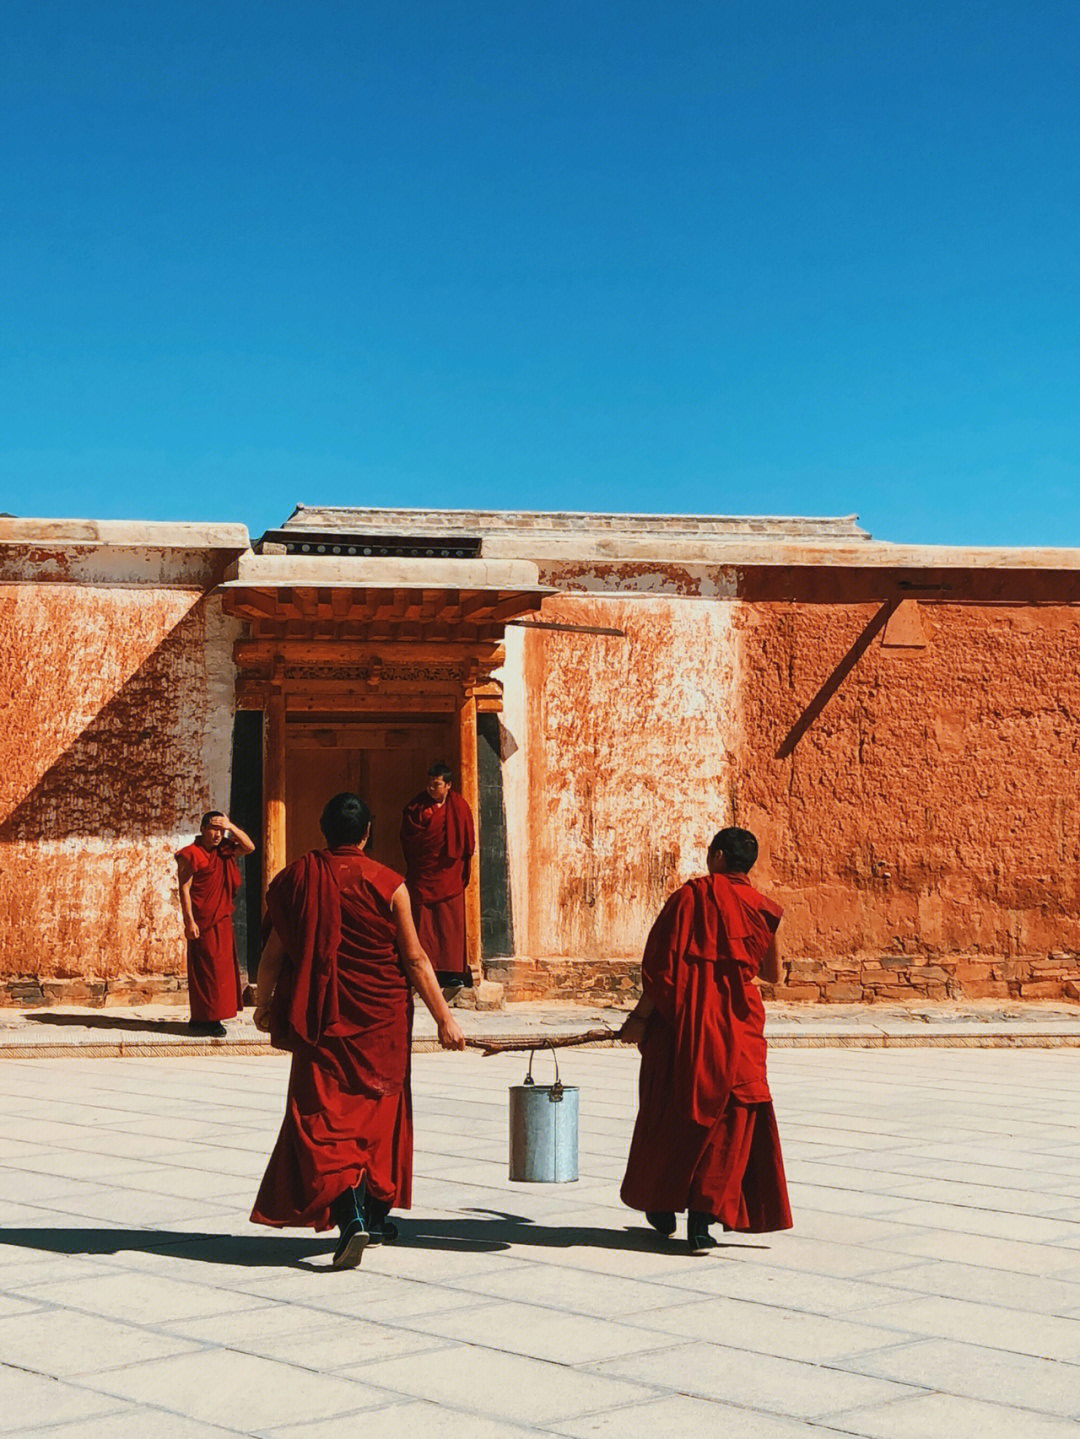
(554, 1041)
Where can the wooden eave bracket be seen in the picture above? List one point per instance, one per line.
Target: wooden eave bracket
(904, 629)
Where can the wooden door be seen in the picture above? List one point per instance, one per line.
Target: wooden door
(385, 762)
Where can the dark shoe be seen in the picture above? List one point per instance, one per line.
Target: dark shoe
(663, 1222)
(384, 1233)
(210, 1028)
(348, 1213)
(354, 1240)
(698, 1237)
(381, 1230)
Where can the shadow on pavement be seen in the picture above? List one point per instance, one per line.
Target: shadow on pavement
(493, 1228)
(248, 1250)
(114, 1021)
(488, 1231)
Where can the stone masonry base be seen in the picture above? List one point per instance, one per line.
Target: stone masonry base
(887, 980)
(29, 991)
(890, 979)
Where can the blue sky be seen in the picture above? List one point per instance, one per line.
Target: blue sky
(747, 257)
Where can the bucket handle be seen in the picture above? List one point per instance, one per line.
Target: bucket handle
(557, 1087)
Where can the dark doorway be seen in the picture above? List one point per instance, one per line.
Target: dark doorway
(245, 807)
(497, 920)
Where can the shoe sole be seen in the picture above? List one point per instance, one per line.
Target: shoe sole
(699, 1249)
(390, 1237)
(353, 1252)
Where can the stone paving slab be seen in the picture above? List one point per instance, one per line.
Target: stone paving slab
(138, 1301)
(149, 1030)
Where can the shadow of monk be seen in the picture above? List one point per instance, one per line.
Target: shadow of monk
(112, 1021)
(479, 1231)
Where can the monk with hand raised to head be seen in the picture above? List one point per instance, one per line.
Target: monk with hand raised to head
(706, 1141)
(209, 877)
(335, 986)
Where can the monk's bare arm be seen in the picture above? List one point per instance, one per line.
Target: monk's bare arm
(633, 1030)
(270, 962)
(184, 874)
(243, 842)
(420, 973)
(772, 967)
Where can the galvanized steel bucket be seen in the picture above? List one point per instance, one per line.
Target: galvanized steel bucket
(543, 1130)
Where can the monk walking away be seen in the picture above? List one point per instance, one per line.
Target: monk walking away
(438, 839)
(335, 987)
(706, 1141)
(209, 878)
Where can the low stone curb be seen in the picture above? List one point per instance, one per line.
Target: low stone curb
(180, 1047)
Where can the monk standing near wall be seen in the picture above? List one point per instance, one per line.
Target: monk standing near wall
(334, 988)
(706, 1139)
(209, 878)
(438, 838)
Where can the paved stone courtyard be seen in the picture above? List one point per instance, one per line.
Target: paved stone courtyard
(930, 1290)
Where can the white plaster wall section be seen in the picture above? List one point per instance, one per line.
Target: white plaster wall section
(219, 701)
(515, 770)
(107, 568)
(622, 577)
(641, 736)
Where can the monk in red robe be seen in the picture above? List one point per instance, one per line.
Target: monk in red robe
(209, 878)
(438, 838)
(334, 988)
(706, 1139)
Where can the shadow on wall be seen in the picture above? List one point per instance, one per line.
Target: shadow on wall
(136, 770)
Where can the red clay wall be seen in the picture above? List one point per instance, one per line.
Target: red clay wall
(112, 741)
(924, 833)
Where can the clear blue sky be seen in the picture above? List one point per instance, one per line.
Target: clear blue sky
(752, 256)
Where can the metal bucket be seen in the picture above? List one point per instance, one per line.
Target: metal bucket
(543, 1130)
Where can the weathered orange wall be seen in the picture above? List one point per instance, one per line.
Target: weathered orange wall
(630, 744)
(925, 832)
(110, 747)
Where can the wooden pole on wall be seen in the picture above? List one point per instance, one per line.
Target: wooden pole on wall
(469, 778)
(274, 782)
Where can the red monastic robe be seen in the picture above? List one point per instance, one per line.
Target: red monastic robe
(439, 841)
(343, 1006)
(706, 1136)
(213, 972)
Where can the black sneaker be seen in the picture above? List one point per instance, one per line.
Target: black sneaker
(698, 1238)
(381, 1230)
(348, 1212)
(663, 1221)
(209, 1028)
(354, 1240)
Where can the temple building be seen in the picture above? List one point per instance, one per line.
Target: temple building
(900, 726)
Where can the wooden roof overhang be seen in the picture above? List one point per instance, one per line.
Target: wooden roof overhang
(356, 646)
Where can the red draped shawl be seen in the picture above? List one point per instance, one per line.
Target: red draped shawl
(437, 840)
(700, 960)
